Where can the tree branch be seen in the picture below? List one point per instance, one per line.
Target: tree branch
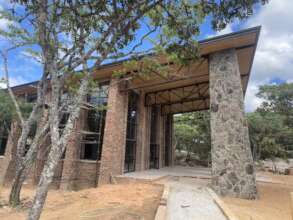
(6, 76)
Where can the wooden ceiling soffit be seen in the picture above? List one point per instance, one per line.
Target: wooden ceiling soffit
(177, 73)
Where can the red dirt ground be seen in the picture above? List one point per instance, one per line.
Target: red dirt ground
(274, 201)
(133, 201)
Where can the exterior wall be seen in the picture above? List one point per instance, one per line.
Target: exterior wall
(232, 163)
(69, 170)
(71, 173)
(8, 162)
(113, 150)
(41, 159)
(86, 174)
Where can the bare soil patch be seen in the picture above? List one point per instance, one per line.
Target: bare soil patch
(273, 203)
(132, 201)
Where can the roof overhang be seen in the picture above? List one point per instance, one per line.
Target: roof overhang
(184, 89)
(187, 89)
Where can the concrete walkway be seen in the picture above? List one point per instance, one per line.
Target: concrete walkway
(188, 199)
(155, 174)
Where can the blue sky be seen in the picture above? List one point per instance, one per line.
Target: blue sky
(273, 60)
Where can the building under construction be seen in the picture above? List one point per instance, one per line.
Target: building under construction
(134, 130)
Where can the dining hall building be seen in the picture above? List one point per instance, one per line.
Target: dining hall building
(134, 131)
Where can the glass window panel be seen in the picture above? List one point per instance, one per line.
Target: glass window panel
(95, 122)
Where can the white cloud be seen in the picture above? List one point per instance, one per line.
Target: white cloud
(274, 55)
(3, 22)
(14, 81)
(251, 101)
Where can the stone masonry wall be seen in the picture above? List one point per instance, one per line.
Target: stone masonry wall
(232, 163)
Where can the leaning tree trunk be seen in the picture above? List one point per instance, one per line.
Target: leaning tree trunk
(14, 197)
(26, 125)
(25, 165)
(19, 178)
(45, 180)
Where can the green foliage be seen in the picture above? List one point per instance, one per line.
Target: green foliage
(72, 82)
(266, 135)
(278, 99)
(7, 112)
(7, 108)
(271, 127)
(192, 133)
(185, 135)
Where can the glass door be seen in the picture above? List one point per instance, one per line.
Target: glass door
(130, 149)
(154, 147)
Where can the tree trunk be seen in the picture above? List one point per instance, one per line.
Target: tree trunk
(14, 197)
(57, 149)
(26, 125)
(25, 165)
(43, 186)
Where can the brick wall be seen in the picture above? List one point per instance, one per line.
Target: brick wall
(113, 150)
(87, 173)
(8, 160)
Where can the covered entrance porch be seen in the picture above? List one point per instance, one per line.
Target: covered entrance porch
(138, 130)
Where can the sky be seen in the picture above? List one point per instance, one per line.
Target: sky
(273, 62)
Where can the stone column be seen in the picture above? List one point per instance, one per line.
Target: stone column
(232, 163)
(113, 150)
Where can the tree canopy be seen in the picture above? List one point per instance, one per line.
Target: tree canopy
(7, 109)
(271, 125)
